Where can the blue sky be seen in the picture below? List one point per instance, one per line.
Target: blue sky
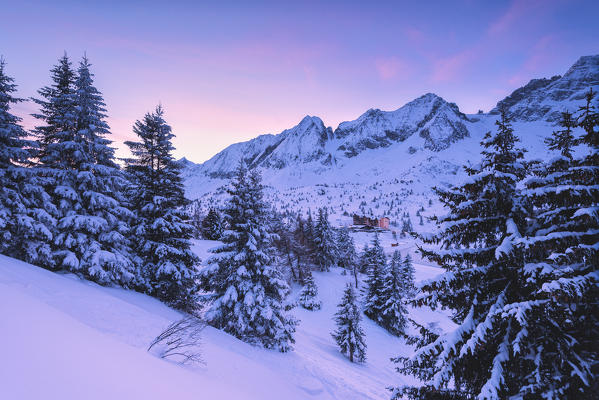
(229, 71)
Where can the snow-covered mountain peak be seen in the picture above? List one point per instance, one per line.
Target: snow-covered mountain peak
(545, 99)
(586, 69)
(427, 98)
(436, 122)
(305, 142)
(440, 123)
(308, 126)
(309, 120)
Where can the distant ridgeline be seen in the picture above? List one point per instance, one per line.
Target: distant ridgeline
(386, 162)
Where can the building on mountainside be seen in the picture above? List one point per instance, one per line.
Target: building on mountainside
(382, 223)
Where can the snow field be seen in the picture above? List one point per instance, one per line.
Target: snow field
(67, 338)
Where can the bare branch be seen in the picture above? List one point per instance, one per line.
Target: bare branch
(180, 341)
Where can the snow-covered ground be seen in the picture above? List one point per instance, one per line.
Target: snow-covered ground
(65, 338)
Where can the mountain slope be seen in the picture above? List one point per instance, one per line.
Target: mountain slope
(67, 338)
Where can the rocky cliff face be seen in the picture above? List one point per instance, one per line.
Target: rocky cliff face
(438, 122)
(545, 99)
(303, 143)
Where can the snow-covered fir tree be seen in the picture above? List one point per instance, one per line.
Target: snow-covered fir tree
(289, 251)
(365, 259)
(299, 251)
(307, 298)
(349, 334)
(324, 241)
(375, 285)
(309, 230)
(212, 228)
(299, 233)
(484, 282)
(25, 222)
(562, 141)
(57, 113)
(166, 265)
(247, 293)
(407, 276)
(393, 315)
(346, 250)
(346, 253)
(407, 224)
(557, 316)
(78, 165)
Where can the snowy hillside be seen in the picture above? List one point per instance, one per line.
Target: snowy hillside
(58, 316)
(385, 163)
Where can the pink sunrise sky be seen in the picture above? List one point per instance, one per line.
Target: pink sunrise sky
(230, 71)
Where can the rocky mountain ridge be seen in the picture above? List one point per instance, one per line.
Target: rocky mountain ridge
(387, 161)
(437, 122)
(545, 99)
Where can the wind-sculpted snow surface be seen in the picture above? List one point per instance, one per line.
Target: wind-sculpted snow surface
(72, 339)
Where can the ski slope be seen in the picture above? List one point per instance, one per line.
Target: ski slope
(65, 338)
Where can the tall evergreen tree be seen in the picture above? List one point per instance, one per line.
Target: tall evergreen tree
(586, 252)
(212, 228)
(394, 295)
(349, 334)
(309, 230)
(299, 232)
(300, 251)
(375, 285)
(347, 257)
(407, 276)
(24, 220)
(247, 291)
(165, 263)
(324, 241)
(406, 225)
(484, 281)
(563, 140)
(365, 259)
(308, 295)
(78, 162)
(557, 321)
(59, 149)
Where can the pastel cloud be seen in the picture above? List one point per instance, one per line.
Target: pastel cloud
(392, 68)
(542, 53)
(516, 10)
(451, 67)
